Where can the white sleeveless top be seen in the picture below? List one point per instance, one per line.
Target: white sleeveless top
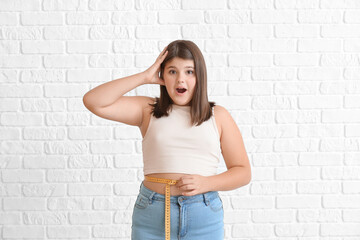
(172, 145)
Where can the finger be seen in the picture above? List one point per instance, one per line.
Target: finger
(163, 51)
(191, 193)
(163, 56)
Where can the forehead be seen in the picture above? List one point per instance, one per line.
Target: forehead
(180, 63)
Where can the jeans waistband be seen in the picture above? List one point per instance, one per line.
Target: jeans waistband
(151, 195)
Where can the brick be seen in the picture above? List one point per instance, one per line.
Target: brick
(41, 18)
(320, 102)
(88, 18)
(42, 105)
(320, 16)
(69, 232)
(319, 216)
(20, 5)
(63, 5)
(160, 32)
(204, 31)
(270, 16)
(24, 232)
(340, 30)
(297, 230)
(21, 33)
(248, 230)
(318, 188)
(63, 147)
(89, 218)
(296, 31)
(68, 176)
(65, 33)
(42, 76)
(43, 190)
(121, 175)
(18, 147)
(319, 73)
(272, 188)
(8, 19)
(10, 218)
(100, 5)
(184, 17)
(91, 161)
(320, 159)
(273, 216)
(319, 45)
(90, 133)
(253, 202)
(227, 17)
(90, 47)
(249, 30)
(210, 4)
(108, 147)
(289, 4)
(339, 229)
(20, 61)
(245, 60)
(69, 203)
(89, 189)
(273, 45)
(65, 61)
(45, 218)
(24, 204)
(296, 173)
(298, 202)
(341, 201)
(248, 4)
(44, 162)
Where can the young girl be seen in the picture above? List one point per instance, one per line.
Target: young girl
(183, 137)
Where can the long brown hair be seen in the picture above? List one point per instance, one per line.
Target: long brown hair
(200, 107)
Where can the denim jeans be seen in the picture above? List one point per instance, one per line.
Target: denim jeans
(199, 217)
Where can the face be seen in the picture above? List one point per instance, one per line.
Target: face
(180, 73)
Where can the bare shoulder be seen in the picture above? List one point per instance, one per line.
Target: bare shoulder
(224, 118)
(220, 114)
(232, 144)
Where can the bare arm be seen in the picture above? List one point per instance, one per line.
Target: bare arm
(108, 101)
(107, 93)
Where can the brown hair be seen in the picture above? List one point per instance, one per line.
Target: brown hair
(200, 107)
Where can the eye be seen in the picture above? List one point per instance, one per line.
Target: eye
(191, 72)
(171, 71)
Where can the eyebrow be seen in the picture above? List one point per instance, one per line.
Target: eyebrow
(175, 67)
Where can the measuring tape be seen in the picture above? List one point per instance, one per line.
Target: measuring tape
(168, 182)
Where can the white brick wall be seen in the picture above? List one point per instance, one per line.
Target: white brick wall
(287, 70)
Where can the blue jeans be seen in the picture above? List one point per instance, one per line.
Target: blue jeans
(199, 217)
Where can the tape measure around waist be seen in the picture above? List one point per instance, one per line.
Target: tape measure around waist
(168, 183)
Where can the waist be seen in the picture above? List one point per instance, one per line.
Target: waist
(160, 187)
(148, 193)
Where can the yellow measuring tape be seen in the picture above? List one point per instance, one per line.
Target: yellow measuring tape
(168, 182)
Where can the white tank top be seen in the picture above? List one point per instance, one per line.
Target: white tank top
(172, 145)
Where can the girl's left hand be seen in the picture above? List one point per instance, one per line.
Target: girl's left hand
(193, 184)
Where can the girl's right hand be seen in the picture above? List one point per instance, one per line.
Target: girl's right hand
(152, 73)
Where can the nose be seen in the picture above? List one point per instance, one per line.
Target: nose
(180, 78)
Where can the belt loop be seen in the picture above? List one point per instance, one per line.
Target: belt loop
(151, 197)
(206, 199)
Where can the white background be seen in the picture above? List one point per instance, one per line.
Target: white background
(287, 71)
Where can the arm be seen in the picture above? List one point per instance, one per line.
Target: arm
(236, 160)
(107, 100)
(235, 156)
(108, 93)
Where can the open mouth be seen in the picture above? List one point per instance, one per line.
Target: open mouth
(181, 90)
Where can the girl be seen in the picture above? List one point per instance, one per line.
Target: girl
(183, 137)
